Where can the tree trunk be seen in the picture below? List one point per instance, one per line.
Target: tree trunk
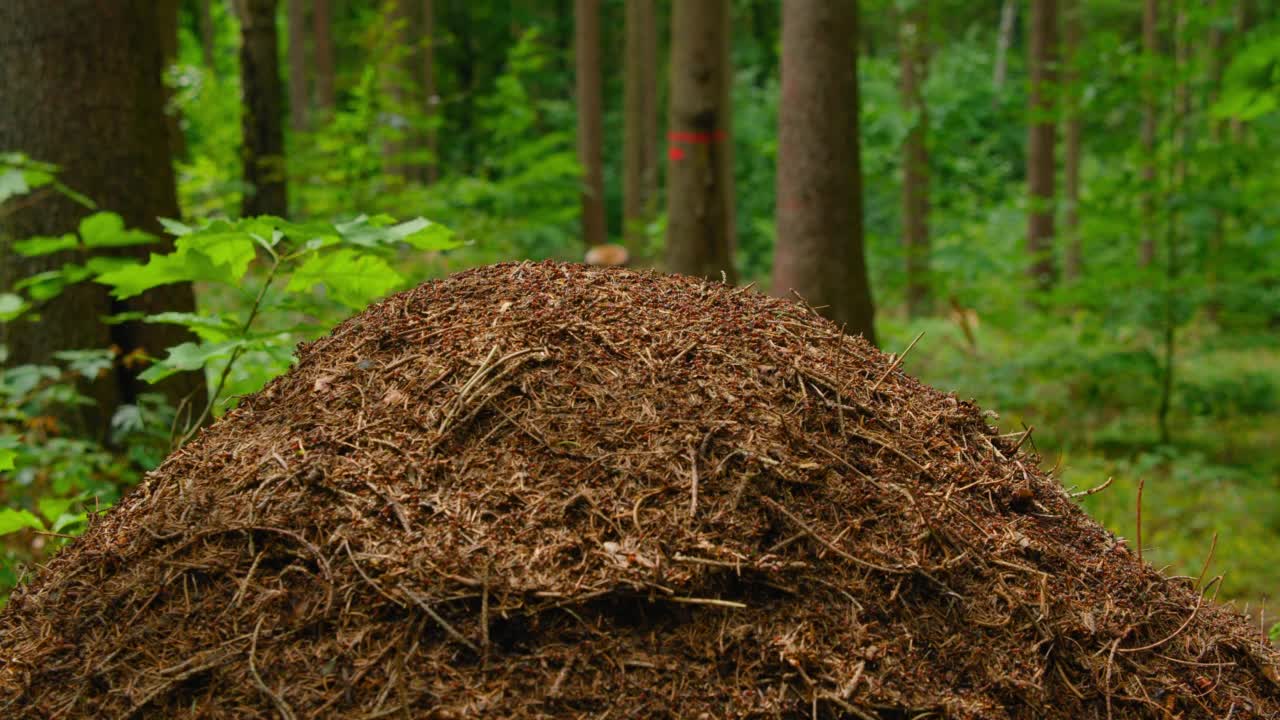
(79, 57)
(394, 87)
(1008, 17)
(431, 172)
(1074, 260)
(263, 111)
(819, 251)
(1150, 51)
(299, 89)
(1244, 18)
(208, 35)
(586, 52)
(700, 170)
(914, 59)
(640, 122)
(322, 31)
(167, 15)
(1042, 136)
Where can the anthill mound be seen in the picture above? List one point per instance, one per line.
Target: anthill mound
(539, 490)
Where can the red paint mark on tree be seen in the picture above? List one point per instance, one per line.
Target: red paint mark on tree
(675, 153)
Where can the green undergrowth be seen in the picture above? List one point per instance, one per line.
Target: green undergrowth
(1093, 406)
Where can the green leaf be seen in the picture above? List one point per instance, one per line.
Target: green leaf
(175, 228)
(66, 520)
(33, 247)
(217, 253)
(12, 184)
(7, 457)
(422, 234)
(352, 278)
(210, 328)
(47, 285)
(106, 229)
(190, 356)
(87, 363)
(53, 507)
(11, 306)
(12, 520)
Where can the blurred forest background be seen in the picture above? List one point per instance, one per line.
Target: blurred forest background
(1073, 201)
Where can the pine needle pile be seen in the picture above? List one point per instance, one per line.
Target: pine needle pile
(552, 491)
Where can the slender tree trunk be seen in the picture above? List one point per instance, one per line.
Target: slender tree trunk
(167, 14)
(1217, 136)
(322, 31)
(819, 251)
(914, 59)
(395, 88)
(1042, 136)
(700, 171)
(1244, 17)
(431, 102)
(467, 85)
(1074, 261)
(78, 57)
(1150, 53)
(1176, 229)
(586, 52)
(640, 121)
(208, 35)
(299, 87)
(263, 114)
(1008, 17)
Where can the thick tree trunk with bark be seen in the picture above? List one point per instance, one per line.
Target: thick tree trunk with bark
(1150, 52)
(432, 103)
(322, 32)
(299, 73)
(640, 139)
(819, 252)
(263, 112)
(1042, 136)
(914, 63)
(96, 71)
(1074, 259)
(700, 158)
(587, 60)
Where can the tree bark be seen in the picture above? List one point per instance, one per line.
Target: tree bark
(1008, 17)
(586, 51)
(208, 35)
(263, 113)
(80, 85)
(299, 88)
(1150, 52)
(431, 172)
(700, 158)
(1074, 260)
(322, 31)
(819, 251)
(640, 122)
(914, 61)
(1042, 136)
